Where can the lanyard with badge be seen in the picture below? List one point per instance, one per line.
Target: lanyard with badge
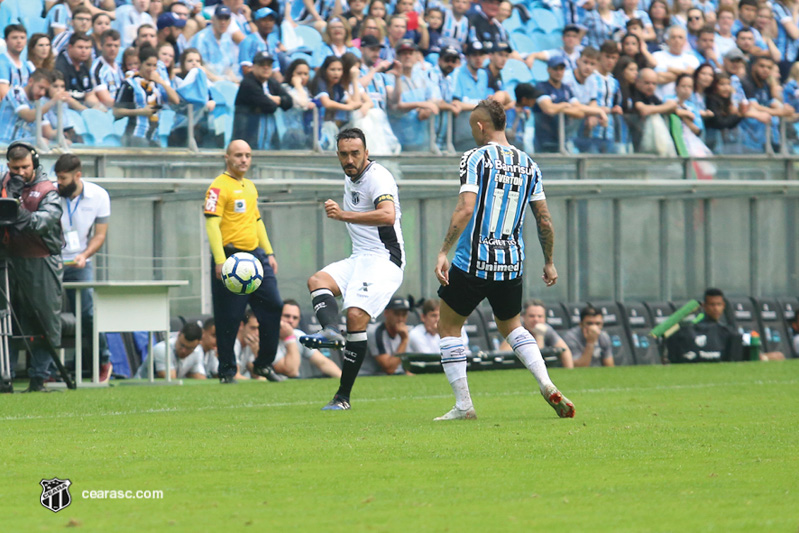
(71, 236)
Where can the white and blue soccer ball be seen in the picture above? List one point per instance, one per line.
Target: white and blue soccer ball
(242, 273)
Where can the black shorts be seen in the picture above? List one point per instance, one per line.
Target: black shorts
(465, 292)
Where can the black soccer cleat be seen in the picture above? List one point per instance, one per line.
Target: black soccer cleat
(228, 380)
(268, 372)
(327, 338)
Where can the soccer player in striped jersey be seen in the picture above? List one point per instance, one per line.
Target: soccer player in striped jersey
(497, 180)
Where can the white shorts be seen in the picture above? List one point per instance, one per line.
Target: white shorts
(366, 281)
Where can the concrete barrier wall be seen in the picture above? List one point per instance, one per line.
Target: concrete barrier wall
(659, 236)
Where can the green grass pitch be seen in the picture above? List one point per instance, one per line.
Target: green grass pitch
(683, 448)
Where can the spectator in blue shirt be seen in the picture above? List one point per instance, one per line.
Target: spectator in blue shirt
(570, 50)
(192, 85)
(17, 111)
(497, 59)
(661, 21)
(686, 109)
(764, 95)
(417, 27)
(397, 26)
(338, 41)
(266, 39)
(747, 16)
(330, 95)
(556, 98)
(299, 119)
(182, 10)
(59, 17)
(769, 31)
(57, 92)
(603, 23)
(705, 49)
(106, 74)
(745, 41)
(785, 15)
(378, 76)
(81, 22)
(629, 11)
(40, 53)
(696, 21)
(417, 102)
(456, 22)
(101, 23)
(316, 12)
(471, 79)
(219, 52)
(13, 70)
(169, 29)
(129, 17)
(443, 76)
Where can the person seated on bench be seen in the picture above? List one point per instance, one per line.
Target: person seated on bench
(534, 320)
(424, 337)
(589, 341)
(186, 361)
(709, 340)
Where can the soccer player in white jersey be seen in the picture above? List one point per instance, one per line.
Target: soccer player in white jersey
(497, 180)
(367, 279)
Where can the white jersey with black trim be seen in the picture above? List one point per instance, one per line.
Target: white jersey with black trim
(374, 185)
(505, 180)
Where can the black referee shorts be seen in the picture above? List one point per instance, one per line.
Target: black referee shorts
(465, 292)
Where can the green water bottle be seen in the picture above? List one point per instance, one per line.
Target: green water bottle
(754, 346)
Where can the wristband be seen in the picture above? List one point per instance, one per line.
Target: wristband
(290, 338)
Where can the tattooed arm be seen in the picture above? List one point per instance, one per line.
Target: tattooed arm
(546, 236)
(460, 217)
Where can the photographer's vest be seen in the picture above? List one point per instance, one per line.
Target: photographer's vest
(28, 244)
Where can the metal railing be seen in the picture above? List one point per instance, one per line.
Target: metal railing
(439, 144)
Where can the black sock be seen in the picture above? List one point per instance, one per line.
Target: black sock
(352, 358)
(325, 307)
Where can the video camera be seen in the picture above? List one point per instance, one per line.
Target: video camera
(9, 211)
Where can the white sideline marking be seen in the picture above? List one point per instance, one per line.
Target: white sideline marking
(570, 392)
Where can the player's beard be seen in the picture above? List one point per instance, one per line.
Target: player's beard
(353, 171)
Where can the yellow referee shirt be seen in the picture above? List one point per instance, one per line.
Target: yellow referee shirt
(236, 202)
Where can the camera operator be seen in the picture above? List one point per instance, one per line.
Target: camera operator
(31, 237)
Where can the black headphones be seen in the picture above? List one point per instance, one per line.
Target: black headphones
(29, 147)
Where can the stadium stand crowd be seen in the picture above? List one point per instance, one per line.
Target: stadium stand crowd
(689, 78)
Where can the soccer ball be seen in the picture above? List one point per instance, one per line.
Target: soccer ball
(242, 273)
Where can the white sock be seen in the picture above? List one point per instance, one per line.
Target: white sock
(526, 349)
(453, 359)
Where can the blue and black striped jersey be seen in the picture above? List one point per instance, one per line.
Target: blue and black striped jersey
(505, 179)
